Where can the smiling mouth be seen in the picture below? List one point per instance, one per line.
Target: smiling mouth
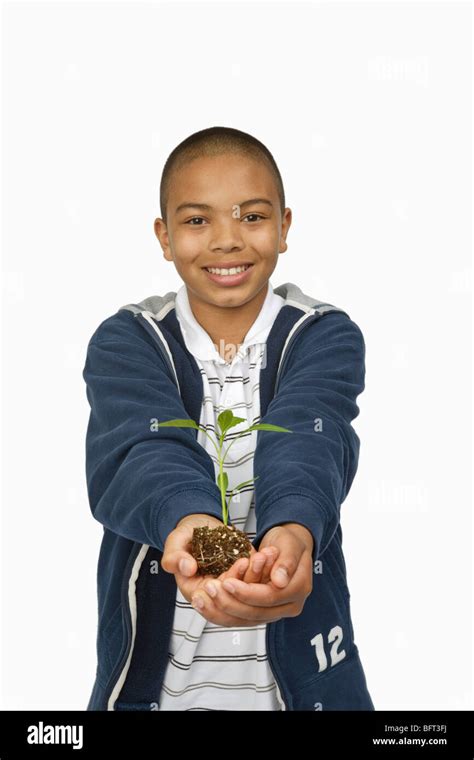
(225, 271)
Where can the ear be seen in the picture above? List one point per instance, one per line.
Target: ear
(161, 233)
(285, 226)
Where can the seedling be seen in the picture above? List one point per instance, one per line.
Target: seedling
(216, 549)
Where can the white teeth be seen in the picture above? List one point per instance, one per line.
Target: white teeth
(233, 270)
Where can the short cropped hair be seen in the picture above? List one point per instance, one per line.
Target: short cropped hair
(216, 141)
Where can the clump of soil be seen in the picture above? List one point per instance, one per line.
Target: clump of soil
(216, 549)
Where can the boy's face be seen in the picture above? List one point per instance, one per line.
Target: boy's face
(214, 221)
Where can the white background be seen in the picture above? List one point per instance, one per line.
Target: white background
(366, 108)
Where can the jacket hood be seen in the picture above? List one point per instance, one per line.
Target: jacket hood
(159, 306)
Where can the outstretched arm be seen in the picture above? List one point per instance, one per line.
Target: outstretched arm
(141, 481)
(304, 477)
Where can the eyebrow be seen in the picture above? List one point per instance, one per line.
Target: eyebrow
(206, 207)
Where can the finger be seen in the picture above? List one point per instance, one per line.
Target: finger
(223, 607)
(254, 594)
(260, 572)
(237, 570)
(270, 595)
(188, 586)
(176, 557)
(283, 570)
(228, 621)
(272, 555)
(257, 563)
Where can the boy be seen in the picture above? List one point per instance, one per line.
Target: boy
(274, 632)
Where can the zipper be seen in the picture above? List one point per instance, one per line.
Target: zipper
(149, 324)
(280, 691)
(304, 321)
(116, 672)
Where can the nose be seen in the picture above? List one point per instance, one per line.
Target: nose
(226, 235)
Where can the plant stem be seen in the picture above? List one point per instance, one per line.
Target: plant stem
(221, 460)
(221, 483)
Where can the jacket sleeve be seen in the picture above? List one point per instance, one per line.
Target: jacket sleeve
(141, 481)
(304, 476)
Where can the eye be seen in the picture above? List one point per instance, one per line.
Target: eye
(199, 218)
(254, 215)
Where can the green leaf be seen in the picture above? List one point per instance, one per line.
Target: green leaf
(267, 426)
(236, 421)
(223, 479)
(226, 420)
(245, 483)
(178, 423)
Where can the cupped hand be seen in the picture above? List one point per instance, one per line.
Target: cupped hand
(178, 560)
(284, 595)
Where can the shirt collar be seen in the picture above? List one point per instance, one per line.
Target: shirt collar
(199, 342)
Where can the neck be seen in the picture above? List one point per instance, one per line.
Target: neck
(227, 326)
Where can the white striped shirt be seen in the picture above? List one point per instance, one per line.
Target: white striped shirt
(214, 667)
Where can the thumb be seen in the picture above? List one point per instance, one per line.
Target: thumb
(290, 549)
(284, 568)
(176, 557)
